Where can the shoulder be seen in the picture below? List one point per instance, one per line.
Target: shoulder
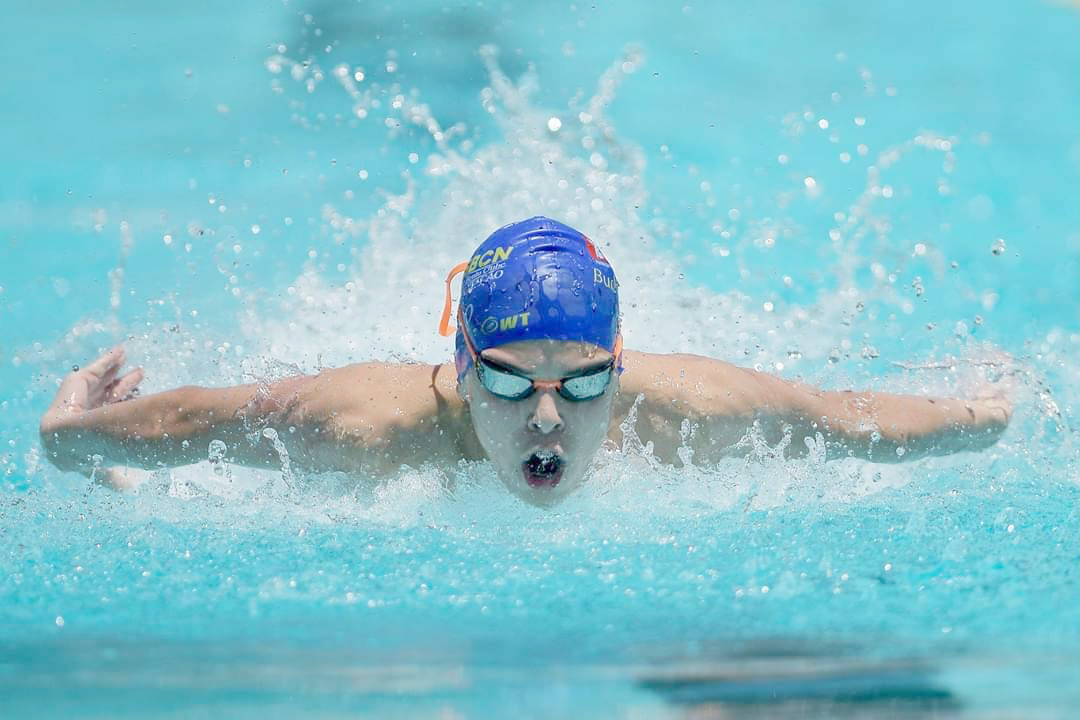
(390, 413)
(675, 375)
(389, 393)
(375, 396)
(695, 385)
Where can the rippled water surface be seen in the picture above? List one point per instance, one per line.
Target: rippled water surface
(874, 195)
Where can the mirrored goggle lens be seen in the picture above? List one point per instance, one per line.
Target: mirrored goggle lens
(514, 387)
(587, 387)
(503, 384)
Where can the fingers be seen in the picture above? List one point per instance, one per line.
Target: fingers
(125, 478)
(112, 360)
(88, 387)
(125, 387)
(108, 376)
(118, 477)
(996, 412)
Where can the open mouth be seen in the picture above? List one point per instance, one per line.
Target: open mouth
(543, 468)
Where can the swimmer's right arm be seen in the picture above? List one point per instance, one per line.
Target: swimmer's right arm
(95, 421)
(370, 416)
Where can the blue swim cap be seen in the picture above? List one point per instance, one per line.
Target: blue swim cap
(535, 279)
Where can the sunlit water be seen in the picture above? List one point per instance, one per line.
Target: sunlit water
(823, 196)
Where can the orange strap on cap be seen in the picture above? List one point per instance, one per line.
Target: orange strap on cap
(444, 324)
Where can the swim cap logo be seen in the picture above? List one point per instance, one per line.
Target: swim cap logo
(599, 278)
(493, 324)
(497, 255)
(486, 267)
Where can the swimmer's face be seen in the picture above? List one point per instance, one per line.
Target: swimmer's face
(543, 444)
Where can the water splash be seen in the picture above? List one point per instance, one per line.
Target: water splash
(586, 173)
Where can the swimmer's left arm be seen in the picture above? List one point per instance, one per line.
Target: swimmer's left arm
(724, 401)
(884, 427)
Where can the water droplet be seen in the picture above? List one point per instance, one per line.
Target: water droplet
(998, 247)
(215, 453)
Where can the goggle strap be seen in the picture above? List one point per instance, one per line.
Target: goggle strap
(445, 329)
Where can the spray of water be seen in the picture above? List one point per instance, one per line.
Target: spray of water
(572, 164)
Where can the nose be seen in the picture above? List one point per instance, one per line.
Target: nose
(545, 417)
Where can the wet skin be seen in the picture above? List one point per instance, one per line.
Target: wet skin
(371, 418)
(545, 431)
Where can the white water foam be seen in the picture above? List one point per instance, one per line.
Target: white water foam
(581, 171)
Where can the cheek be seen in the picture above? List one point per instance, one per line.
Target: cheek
(601, 408)
(496, 421)
(590, 422)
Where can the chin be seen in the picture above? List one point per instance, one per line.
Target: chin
(545, 501)
(544, 496)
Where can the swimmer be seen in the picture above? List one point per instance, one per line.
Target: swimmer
(539, 381)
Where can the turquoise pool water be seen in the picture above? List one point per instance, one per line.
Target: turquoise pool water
(824, 190)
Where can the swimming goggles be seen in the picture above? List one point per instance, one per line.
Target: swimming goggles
(509, 385)
(505, 383)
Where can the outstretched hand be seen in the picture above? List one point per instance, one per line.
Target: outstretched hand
(97, 384)
(85, 389)
(995, 400)
(995, 387)
(987, 389)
